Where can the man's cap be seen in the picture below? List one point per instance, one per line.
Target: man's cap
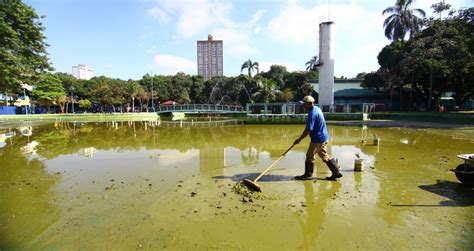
(308, 99)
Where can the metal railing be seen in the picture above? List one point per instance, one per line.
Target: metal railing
(199, 108)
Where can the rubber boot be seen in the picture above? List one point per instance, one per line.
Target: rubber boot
(334, 167)
(308, 172)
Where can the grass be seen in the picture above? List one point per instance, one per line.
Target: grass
(466, 118)
(80, 117)
(435, 117)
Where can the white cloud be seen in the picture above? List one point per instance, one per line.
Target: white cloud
(195, 18)
(295, 24)
(170, 65)
(168, 157)
(358, 32)
(160, 14)
(152, 50)
(265, 66)
(236, 42)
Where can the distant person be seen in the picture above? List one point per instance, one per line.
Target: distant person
(316, 129)
(441, 107)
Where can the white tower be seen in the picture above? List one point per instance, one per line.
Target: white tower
(326, 61)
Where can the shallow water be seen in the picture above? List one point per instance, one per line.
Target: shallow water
(133, 185)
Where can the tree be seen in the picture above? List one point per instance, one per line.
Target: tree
(23, 49)
(132, 88)
(402, 20)
(266, 90)
(276, 73)
(361, 75)
(85, 103)
(142, 96)
(196, 90)
(69, 82)
(389, 60)
(440, 7)
(181, 83)
(250, 66)
(297, 82)
(441, 59)
(373, 81)
(48, 90)
(312, 64)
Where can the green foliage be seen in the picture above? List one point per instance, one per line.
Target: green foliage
(250, 66)
(48, 89)
(438, 60)
(312, 64)
(297, 82)
(373, 81)
(402, 20)
(23, 49)
(85, 103)
(440, 7)
(109, 92)
(276, 73)
(266, 91)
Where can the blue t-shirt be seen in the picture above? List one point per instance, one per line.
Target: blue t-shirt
(316, 125)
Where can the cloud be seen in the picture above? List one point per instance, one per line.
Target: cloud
(159, 14)
(169, 157)
(152, 50)
(236, 42)
(197, 18)
(265, 66)
(294, 24)
(170, 65)
(358, 32)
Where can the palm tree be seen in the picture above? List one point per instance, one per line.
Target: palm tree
(250, 66)
(312, 63)
(402, 20)
(440, 7)
(266, 91)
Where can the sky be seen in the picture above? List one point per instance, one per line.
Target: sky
(127, 39)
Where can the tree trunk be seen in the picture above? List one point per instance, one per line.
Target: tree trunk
(431, 90)
(401, 97)
(391, 97)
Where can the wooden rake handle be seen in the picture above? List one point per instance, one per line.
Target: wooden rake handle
(274, 162)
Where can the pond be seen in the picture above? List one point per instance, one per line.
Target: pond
(163, 185)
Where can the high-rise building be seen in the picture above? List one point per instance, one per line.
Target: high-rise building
(82, 72)
(210, 57)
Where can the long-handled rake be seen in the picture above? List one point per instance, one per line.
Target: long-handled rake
(252, 184)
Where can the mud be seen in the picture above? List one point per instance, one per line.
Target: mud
(133, 185)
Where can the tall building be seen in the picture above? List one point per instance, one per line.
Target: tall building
(210, 57)
(82, 72)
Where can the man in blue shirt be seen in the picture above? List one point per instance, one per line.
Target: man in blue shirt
(316, 129)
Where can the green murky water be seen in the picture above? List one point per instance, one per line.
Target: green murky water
(143, 185)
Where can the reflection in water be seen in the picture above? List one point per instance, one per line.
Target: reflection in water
(316, 208)
(27, 205)
(59, 180)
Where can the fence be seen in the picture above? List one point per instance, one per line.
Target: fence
(199, 108)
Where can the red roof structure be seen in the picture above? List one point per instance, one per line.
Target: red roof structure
(169, 102)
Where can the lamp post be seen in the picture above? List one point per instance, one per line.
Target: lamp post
(24, 97)
(71, 88)
(152, 105)
(133, 104)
